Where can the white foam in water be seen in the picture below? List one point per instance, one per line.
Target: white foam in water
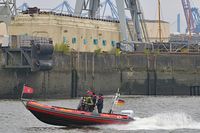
(163, 121)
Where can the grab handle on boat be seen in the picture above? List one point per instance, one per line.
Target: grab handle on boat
(115, 98)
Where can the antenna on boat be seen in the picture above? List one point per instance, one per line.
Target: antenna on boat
(115, 98)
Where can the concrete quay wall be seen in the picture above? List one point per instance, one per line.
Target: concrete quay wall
(135, 74)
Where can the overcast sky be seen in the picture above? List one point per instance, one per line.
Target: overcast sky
(170, 9)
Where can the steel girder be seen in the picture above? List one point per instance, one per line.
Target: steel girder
(91, 6)
(7, 10)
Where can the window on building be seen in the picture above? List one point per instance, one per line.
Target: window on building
(64, 40)
(74, 40)
(104, 42)
(95, 41)
(85, 41)
(113, 43)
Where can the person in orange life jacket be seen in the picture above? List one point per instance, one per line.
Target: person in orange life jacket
(100, 103)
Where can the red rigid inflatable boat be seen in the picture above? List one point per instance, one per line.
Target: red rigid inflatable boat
(64, 117)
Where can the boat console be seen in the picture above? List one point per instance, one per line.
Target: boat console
(129, 113)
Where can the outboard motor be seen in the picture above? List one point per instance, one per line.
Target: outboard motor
(128, 113)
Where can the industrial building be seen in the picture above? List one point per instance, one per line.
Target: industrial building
(93, 31)
(79, 33)
(153, 30)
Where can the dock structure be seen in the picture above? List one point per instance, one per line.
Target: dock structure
(26, 52)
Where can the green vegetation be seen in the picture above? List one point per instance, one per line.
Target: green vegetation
(146, 51)
(64, 48)
(157, 52)
(97, 51)
(115, 51)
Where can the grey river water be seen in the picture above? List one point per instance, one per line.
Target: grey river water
(152, 114)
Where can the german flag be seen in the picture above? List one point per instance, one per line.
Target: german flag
(120, 102)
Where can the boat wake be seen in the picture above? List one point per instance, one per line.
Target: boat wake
(163, 121)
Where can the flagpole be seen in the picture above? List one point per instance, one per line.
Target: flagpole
(22, 100)
(22, 92)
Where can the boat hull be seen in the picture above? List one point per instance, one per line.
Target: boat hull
(64, 117)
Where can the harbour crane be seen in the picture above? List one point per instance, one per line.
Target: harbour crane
(192, 17)
(23, 7)
(139, 33)
(113, 9)
(7, 10)
(64, 7)
(196, 16)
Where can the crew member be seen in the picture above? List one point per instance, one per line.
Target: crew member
(81, 105)
(100, 103)
(94, 99)
(88, 103)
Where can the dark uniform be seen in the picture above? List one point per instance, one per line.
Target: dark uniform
(94, 99)
(100, 103)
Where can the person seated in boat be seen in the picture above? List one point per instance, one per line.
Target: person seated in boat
(81, 105)
(100, 103)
